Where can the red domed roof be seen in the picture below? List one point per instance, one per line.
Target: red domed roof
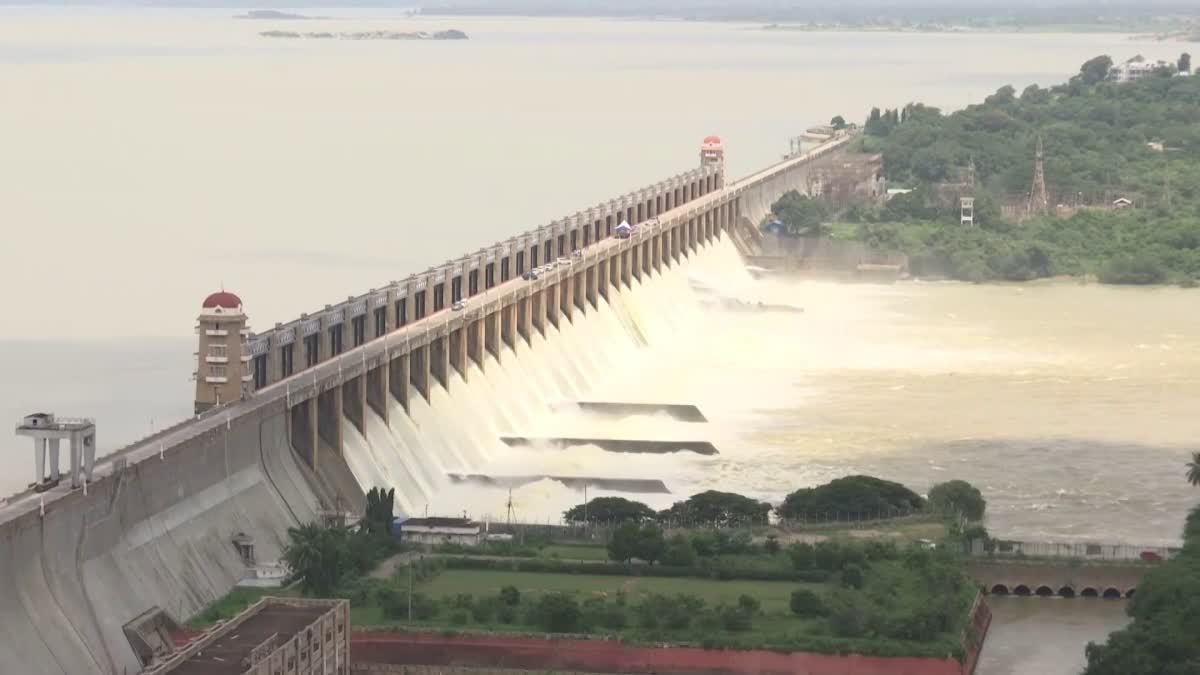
(712, 140)
(222, 299)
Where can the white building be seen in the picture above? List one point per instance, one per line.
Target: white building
(441, 531)
(1135, 69)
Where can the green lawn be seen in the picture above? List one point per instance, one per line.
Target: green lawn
(573, 552)
(774, 595)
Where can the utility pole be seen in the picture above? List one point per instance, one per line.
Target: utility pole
(410, 589)
(1038, 200)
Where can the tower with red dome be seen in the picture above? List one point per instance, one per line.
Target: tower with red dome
(223, 363)
(711, 151)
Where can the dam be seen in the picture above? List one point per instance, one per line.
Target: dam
(370, 391)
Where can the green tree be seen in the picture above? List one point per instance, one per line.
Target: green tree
(509, 595)
(1095, 70)
(838, 122)
(1184, 65)
(622, 543)
(380, 510)
(650, 544)
(806, 603)
(318, 555)
(718, 509)
(852, 576)
(679, 552)
(614, 510)
(803, 555)
(1193, 474)
(801, 214)
(957, 497)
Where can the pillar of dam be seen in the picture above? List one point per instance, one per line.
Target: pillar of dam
(303, 429)
(635, 262)
(566, 294)
(377, 389)
(419, 366)
(354, 398)
(537, 313)
(492, 323)
(329, 418)
(551, 304)
(458, 350)
(398, 380)
(439, 360)
(589, 284)
(514, 321)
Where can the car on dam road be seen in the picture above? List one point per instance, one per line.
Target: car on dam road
(531, 275)
(577, 253)
(459, 306)
(564, 261)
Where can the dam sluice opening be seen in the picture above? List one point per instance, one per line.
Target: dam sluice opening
(479, 421)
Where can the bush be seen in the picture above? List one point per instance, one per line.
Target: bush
(1133, 269)
(462, 601)
(510, 596)
(506, 614)
(735, 619)
(806, 603)
(771, 545)
(483, 610)
(803, 555)
(852, 576)
(556, 613)
(749, 603)
(957, 497)
(459, 618)
(679, 552)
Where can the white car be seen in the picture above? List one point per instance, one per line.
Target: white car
(564, 261)
(459, 306)
(577, 253)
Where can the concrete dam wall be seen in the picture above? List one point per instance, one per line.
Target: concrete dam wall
(428, 397)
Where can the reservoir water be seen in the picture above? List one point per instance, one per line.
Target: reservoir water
(151, 156)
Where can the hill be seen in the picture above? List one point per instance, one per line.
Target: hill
(1103, 141)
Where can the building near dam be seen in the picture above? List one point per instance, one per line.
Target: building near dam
(273, 636)
(297, 421)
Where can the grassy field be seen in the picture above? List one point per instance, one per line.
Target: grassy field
(573, 552)
(774, 595)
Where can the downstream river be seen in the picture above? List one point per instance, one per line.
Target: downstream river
(164, 153)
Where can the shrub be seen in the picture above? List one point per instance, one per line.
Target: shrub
(806, 603)
(803, 555)
(510, 596)
(852, 576)
(749, 603)
(734, 619)
(459, 618)
(679, 552)
(771, 545)
(556, 613)
(506, 614)
(483, 610)
(462, 601)
(859, 495)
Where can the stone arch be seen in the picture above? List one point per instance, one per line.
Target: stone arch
(1066, 592)
(1129, 593)
(1044, 591)
(999, 589)
(1112, 594)
(1022, 590)
(1090, 592)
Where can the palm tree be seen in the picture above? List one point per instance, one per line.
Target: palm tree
(1193, 474)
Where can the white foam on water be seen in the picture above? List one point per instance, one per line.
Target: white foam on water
(600, 353)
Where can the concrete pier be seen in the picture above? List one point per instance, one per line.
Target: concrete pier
(157, 524)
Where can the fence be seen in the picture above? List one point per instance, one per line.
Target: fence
(1079, 551)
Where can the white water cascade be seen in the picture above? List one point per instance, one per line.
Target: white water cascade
(597, 355)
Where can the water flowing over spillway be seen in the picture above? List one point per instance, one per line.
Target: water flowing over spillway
(527, 391)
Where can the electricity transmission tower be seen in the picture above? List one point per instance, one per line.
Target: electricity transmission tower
(1038, 201)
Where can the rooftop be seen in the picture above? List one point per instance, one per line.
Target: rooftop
(438, 522)
(226, 655)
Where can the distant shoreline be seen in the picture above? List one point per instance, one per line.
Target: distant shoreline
(366, 35)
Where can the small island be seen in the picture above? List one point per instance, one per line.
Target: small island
(367, 35)
(277, 15)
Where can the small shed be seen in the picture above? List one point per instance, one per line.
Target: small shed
(1122, 203)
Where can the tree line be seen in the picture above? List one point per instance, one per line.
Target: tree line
(1102, 140)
